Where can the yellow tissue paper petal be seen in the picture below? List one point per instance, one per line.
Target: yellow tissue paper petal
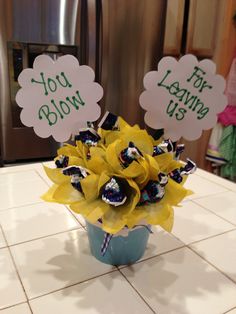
(89, 187)
(122, 123)
(110, 136)
(157, 213)
(80, 147)
(143, 179)
(163, 161)
(56, 175)
(157, 142)
(49, 195)
(133, 170)
(103, 179)
(174, 164)
(91, 211)
(66, 194)
(154, 168)
(97, 151)
(136, 127)
(134, 218)
(82, 150)
(135, 194)
(185, 177)
(120, 145)
(76, 161)
(116, 218)
(189, 192)
(168, 223)
(68, 150)
(140, 138)
(111, 156)
(111, 224)
(98, 165)
(174, 193)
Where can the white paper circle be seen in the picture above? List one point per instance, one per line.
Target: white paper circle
(58, 97)
(183, 97)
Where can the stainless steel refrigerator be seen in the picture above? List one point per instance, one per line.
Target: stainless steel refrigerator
(120, 39)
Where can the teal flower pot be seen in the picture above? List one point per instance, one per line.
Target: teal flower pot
(122, 250)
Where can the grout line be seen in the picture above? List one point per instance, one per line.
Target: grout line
(136, 291)
(75, 218)
(20, 171)
(192, 198)
(219, 184)
(10, 306)
(14, 264)
(30, 307)
(154, 256)
(211, 180)
(72, 285)
(211, 211)
(44, 237)
(15, 207)
(4, 237)
(218, 269)
(40, 175)
(212, 236)
(233, 308)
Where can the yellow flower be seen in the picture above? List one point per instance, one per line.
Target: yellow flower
(113, 218)
(138, 170)
(159, 213)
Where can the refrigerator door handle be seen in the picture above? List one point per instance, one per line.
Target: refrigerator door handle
(91, 34)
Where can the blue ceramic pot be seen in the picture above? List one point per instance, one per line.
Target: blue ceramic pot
(121, 250)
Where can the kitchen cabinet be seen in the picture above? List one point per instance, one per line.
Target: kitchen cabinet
(202, 27)
(191, 27)
(174, 27)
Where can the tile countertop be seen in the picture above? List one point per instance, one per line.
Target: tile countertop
(46, 267)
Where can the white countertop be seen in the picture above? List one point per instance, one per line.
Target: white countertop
(46, 266)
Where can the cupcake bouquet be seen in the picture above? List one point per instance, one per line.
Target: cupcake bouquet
(119, 177)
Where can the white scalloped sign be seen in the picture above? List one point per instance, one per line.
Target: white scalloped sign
(183, 97)
(58, 97)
